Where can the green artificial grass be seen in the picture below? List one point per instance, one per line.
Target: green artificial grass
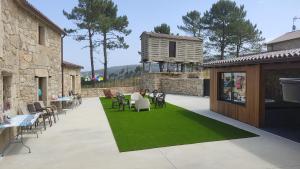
(162, 127)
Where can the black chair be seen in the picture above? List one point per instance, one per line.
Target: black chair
(161, 100)
(44, 116)
(123, 102)
(51, 110)
(115, 100)
(153, 99)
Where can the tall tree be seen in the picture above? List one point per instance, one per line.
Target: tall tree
(84, 16)
(192, 23)
(219, 22)
(163, 28)
(246, 37)
(112, 28)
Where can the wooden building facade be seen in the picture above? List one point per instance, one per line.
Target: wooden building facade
(170, 49)
(248, 88)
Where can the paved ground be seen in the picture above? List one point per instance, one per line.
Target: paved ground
(83, 139)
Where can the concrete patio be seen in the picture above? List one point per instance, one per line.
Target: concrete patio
(83, 139)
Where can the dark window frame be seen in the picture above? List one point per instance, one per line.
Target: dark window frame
(172, 49)
(220, 89)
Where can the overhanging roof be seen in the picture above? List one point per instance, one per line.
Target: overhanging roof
(167, 36)
(265, 57)
(35, 12)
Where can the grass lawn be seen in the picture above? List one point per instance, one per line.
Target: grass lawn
(162, 127)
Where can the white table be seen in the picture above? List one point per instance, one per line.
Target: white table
(59, 103)
(19, 121)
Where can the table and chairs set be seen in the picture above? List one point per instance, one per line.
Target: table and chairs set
(34, 117)
(141, 100)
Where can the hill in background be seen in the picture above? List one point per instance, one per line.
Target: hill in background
(121, 72)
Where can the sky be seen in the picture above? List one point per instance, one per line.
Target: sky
(273, 18)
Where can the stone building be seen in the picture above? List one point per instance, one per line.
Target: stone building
(180, 56)
(30, 56)
(71, 78)
(289, 40)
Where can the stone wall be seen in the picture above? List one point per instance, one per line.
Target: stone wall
(190, 87)
(23, 59)
(174, 83)
(98, 92)
(68, 74)
(290, 44)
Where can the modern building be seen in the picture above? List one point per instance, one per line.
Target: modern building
(71, 78)
(30, 57)
(248, 88)
(171, 51)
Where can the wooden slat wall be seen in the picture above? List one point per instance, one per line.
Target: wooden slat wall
(157, 49)
(248, 113)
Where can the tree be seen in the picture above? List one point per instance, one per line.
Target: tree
(112, 28)
(246, 37)
(219, 22)
(163, 28)
(84, 16)
(192, 23)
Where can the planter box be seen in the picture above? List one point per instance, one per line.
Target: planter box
(291, 89)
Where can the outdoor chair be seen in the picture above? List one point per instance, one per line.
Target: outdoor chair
(161, 100)
(122, 102)
(142, 103)
(51, 109)
(115, 100)
(79, 99)
(24, 110)
(153, 95)
(135, 97)
(45, 116)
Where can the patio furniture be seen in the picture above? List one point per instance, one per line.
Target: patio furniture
(19, 121)
(63, 104)
(134, 97)
(51, 110)
(44, 115)
(24, 110)
(123, 102)
(115, 100)
(160, 100)
(153, 95)
(142, 103)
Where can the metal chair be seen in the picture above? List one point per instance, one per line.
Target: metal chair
(45, 116)
(161, 100)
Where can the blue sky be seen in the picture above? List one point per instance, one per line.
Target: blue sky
(273, 17)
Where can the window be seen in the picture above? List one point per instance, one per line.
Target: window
(42, 38)
(172, 49)
(232, 87)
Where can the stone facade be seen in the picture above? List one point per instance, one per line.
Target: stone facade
(174, 83)
(98, 92)
(72, 80)
(285, 45)
(23, 59)
(190, 87)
